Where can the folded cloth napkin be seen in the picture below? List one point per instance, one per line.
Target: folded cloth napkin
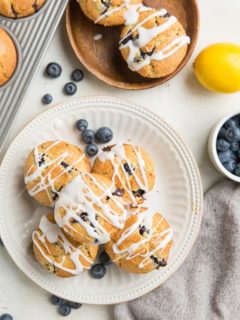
(207, 285)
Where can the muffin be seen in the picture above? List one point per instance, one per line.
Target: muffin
(57, 253)
(19, 8)
(130, 167)
(89, 209)
(143, 244)
(50, 167)
(154, 46)
(8, 57)
(111, 12)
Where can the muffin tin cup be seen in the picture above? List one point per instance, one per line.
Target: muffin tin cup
(32, 16)
(19, 57)
(212, 148)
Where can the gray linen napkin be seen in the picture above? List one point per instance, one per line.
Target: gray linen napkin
(207, 285)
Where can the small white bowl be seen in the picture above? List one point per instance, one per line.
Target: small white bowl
(212, 148)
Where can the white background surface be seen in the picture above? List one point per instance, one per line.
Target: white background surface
(191, 110)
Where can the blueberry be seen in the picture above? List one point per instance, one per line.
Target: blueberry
(47, 98)
(234, 146)
(54, 70)
(77, 75)
(64, 310)
(91, 149)
(70, 88)
(104, 258)
(98, 271)
(82, 124)
(230, 166)
(6, 316)
(226, 156)
(74, 305)
(237, 170)
(233, 122)
(56, 300)
(222, 145)
(104, 135)
(221, 133)
(88, 136)
(233, 134)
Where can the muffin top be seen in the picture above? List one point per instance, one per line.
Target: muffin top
(89, 209)
(111, 12)
(19, 8)
(59, 254)
(143, 244)
(155, 45)
(130, 167)
(50, 167)
(8, 57)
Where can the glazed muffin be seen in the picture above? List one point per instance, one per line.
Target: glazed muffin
(8, 57)
(130, 167)
(59, 254)
(111, 12)
(89, 209)
(50, 167)
(144, 243)
(19, 8)
(154, 46)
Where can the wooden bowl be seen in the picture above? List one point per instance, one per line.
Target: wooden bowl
(103, 58)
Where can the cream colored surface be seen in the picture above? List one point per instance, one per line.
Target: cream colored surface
(191, 110)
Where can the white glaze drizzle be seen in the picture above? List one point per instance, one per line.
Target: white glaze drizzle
(161, 239)
(51, 232)
(117, 155)
(46, 181)
(77, 197)
(147, 35)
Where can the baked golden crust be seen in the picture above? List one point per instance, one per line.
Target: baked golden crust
(125, 164)
(19, 8)
(50, 167)
(143, 244)
(8, 57)
(111, 11)
(158, 43)
(88, 211)
(59, 254)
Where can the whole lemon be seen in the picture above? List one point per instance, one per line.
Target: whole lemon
(217, 67)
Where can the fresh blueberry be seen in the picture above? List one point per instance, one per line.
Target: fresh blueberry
(77, 75)
(221, 133)
(88, 136)
(82, 124)
(91, 149)
(237, 170)
(54, 70)
(230, 166)
(6, 316)
(74, 305)
(104, 258)
(222, 145)
(104, 135)
(56, 300)
(226, 156)
(64, 309)
(70, 88)
(98, 271)
(233, 122)
(234, 146)
(47, 98)
(233, 134)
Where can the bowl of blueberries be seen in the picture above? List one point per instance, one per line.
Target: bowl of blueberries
(224, 146)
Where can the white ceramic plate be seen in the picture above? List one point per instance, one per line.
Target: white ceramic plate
(177, 194)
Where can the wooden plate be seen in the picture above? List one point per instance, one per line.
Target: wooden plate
(103, 58)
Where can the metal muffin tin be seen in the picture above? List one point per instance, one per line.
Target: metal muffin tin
(31, 36)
